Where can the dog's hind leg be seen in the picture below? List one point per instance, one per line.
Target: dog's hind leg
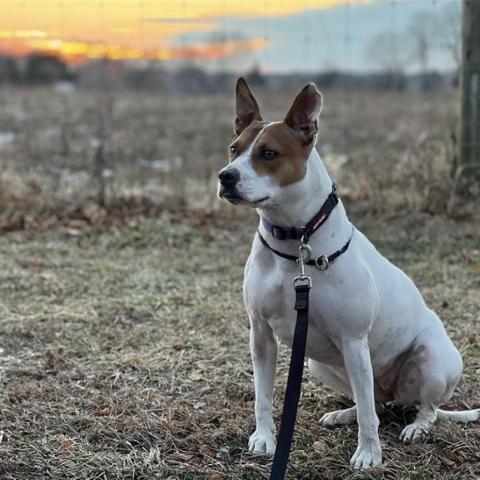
(426, 417)
(333, 377)
(346, 416)
(428, 379)
(336, 378)
(339, 417)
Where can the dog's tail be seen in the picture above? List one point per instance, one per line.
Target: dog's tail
(461, 416)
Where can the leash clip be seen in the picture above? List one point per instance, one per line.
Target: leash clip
(301, 280)
(304, 255)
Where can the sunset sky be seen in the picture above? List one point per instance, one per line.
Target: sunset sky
(279, 35)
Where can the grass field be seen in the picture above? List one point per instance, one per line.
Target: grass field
(124, 342)
(125, 355)
(389, 150)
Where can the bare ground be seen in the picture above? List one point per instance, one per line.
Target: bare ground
(125, 355)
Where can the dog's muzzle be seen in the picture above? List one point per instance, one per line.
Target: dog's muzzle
(229, 178)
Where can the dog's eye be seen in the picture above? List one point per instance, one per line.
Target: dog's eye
(269, 154)
(233, 149)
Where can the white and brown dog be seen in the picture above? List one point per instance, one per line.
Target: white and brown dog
(371, 336)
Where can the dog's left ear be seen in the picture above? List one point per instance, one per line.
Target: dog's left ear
(247, 107)
(303, 114)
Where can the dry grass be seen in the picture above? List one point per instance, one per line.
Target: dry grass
(387, 150)
(125, 356)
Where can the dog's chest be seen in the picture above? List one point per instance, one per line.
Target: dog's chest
(319, 346)
(269, 294)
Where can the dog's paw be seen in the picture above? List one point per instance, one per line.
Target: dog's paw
(414, 431)
(339, 417)
(262, 442)
(368, 455)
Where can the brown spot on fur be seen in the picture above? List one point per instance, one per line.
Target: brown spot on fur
(290, 164)
(245, 139)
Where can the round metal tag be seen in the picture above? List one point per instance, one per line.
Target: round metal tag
(322, 262)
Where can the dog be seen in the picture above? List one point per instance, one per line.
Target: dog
(371, 335)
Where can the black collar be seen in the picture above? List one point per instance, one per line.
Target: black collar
(322, 262)
(296, 233)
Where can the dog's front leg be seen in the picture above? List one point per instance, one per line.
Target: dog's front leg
(358, 366)
(263, 347)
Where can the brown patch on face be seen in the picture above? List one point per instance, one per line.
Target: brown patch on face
(245, 139)
(290, 162)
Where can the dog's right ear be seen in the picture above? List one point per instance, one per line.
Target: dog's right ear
(246, 107)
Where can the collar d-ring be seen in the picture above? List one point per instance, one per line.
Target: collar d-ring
(322, 262)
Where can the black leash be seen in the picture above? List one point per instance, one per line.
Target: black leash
(294, 382)
(303, 284)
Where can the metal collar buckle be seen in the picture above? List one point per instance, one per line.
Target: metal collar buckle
(322, 262)
(278, 233)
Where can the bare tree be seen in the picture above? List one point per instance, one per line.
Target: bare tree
(420, 31)
(450, 32)
(387, 52)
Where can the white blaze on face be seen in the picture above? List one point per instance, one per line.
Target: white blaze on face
(252, 187)
(269, 159)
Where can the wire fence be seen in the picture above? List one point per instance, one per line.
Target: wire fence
(409, 36)
(101, 131)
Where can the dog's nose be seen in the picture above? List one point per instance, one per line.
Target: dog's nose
(229, 177)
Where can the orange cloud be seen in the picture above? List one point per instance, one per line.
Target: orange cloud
(121, 29)
(80, 52)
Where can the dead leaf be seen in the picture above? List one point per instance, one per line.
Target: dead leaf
(50, 359)
(66, 445)
(207, 451)
(94, 213)
(49, 276)
(29, 263)
(151, 395)
(12, 225)
(320, 446)
(102, 412)
(449, 462)
(181, 457)
(73, 232)
(77, 224)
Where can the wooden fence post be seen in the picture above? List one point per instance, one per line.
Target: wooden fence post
(470, 84)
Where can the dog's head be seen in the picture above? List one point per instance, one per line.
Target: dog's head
(266, 157)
